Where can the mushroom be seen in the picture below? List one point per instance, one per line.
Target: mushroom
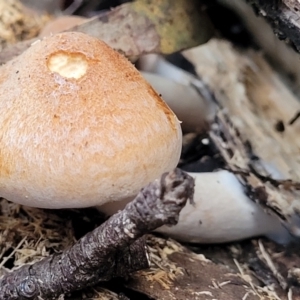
(80, 126)
(172, 82)
(185, 101)
(223, 213)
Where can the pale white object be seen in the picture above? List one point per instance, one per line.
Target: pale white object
(188, 105)
(223, 213)
(156, 64)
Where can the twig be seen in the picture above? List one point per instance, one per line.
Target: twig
(12, 253)
(110, 250)
(268, 260)
(295, 118)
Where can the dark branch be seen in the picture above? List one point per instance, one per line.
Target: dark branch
(111, 250)
(284, 17)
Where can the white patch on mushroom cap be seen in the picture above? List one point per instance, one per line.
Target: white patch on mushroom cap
(68, 65)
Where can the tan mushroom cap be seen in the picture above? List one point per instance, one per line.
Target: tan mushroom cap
(79, 126)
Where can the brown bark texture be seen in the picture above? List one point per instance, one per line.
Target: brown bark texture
(111, 250)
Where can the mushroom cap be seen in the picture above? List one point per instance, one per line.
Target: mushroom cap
(80, 126)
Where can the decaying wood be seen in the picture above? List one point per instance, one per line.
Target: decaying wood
(142, 27)
(284, 59)
(183, 274)
(284, 16)
(252, 130)
(111, 250)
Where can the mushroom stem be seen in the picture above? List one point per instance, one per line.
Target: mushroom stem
(157, 66)
(222, 212)
(110, 250)
(185, 101)
(154, 63)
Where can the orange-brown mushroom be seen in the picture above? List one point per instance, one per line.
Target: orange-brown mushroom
(80, 126)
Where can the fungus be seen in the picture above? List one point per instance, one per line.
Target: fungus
(80, 126)
(223, 213)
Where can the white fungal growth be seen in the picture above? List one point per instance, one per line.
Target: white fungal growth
(68, 65)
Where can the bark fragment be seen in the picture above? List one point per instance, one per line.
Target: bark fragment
(143, 26)
(252, 99)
